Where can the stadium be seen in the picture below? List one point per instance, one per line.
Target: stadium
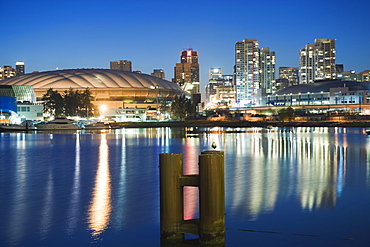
(115, 89)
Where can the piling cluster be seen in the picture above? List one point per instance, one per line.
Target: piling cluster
(211, 223)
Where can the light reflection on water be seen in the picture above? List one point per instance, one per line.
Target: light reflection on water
(100, 206)
(73, 211)
(309, 164)
(86, 186)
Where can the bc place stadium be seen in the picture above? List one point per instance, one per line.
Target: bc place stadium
(116, 90)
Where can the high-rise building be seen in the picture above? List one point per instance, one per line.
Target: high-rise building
(124, 65)
(220, 90)
(246, 71)
(267, 70)
(339, 68)
(187, 71)
(317, 61)
(7, 72)
(365, 75)
(350, 76)
(215, 73)
(289, 73)
(158, 73)
(19, 68)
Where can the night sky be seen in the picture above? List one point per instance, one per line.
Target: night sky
(89, 34)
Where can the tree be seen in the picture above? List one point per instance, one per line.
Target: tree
(86, 105)
(290, 113)
(71, 103)
(182, 107)
(286, 113)
(53, 102)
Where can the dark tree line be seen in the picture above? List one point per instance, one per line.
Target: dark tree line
(180, 107)
(70, 103)
(286, 114)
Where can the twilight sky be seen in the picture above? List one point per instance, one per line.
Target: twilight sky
(88, 34)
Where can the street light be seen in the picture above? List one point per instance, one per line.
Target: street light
(102, 109)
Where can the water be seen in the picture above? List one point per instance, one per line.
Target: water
(284, 187)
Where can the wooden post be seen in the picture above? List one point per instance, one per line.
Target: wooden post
(211, 224)
(212, 198)
(171, 196)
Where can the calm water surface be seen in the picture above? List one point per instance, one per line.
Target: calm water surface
(284, 187)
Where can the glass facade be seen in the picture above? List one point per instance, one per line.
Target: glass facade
(317, 61)
(246, 70)
(22, 93)
(8, 104)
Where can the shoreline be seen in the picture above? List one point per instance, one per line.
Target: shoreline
(242, 123)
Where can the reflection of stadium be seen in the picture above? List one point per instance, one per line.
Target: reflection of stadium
(113, 88)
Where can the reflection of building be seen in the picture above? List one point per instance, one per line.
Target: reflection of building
(317, 61)
(317, 170)
(124, 65)
(113, 88)
(305, 163)
(187, 71)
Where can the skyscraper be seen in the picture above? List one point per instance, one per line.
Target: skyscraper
(317, 61)
(19, 68)
(267, 70)
(187, 71)
(365, 75)
(289, 73)
(158, 73)
(246, 70)
(215, 73)
(220, 89)
(7, 72)
(124, 65)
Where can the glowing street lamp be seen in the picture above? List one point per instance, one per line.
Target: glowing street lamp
(102, 109)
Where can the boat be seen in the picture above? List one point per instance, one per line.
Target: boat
(27, 125)
(367, 131)
(59, 123)
(97, 126)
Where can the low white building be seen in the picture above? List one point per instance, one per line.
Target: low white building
(30, 111)
(334, 92)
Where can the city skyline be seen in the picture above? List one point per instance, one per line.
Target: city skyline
(89, 34)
